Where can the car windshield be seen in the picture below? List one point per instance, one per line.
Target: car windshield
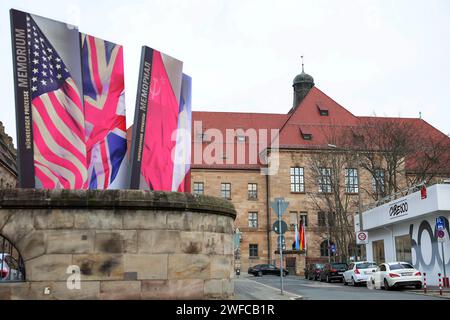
(366, 265)
(397, 266)
(339, 265)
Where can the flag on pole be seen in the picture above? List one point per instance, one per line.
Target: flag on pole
(104, 109)
(297, 242)
(58, 118)
(302, 236)
(182, 156)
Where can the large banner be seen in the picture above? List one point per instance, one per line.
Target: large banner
(156, 121)
(49, 104)
(104, 111)
(70, 108)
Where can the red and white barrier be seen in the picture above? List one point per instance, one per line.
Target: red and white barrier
(424, 282)
(440, 284)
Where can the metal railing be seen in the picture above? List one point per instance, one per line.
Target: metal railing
(12, 266)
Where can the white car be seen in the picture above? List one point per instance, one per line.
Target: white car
(359, 272)
(396, 274)
(9, 268)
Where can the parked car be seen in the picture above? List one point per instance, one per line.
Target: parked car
(9, 268)
(313, 271)
(359, 272)
(333, 271)
(396, 274)
(262, 269)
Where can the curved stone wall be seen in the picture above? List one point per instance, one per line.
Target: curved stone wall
(127, 244)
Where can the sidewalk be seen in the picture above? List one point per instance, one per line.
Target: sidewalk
(433, 291)
(247, 289)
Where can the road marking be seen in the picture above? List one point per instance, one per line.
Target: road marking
(278, 289)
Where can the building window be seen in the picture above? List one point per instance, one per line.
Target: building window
(304, 218)
(199, 188)
(252, 191)
(297, 179)
(378, 181)
(321, 219)
(325, 180)
(351, 180)
(325, 250)
(403, 248)
(253, 220)
(323, 112)
(225, 190)
(331, 219)
(253, 250)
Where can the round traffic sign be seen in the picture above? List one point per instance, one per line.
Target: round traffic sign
(362, 236)
(441, 234)
(276, 227)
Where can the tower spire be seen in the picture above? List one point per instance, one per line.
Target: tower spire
(303, 65)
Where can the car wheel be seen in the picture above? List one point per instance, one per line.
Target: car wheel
(386, 285)
(345, 282)
(260, 273)
(354, 282)
(418, 286)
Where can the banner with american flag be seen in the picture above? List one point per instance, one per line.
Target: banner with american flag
(56, 121)
(156, 122)
(104, 110)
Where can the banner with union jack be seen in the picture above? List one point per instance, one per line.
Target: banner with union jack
(104, 110)
(52, 126)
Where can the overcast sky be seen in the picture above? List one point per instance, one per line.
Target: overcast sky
(389, 58)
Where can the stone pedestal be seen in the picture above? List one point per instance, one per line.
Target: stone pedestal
(127, 244)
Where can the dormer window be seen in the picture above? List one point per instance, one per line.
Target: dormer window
(305, 134)
(323, 111)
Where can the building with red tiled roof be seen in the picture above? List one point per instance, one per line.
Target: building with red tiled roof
(315, 125)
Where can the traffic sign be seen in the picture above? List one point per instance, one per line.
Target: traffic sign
(281, 239)
(362, 237)
(440, 223)
(279, 205)
(333, 248)
(441, 235)
(276, 227)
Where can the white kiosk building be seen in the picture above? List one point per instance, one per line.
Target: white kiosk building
(404, 230)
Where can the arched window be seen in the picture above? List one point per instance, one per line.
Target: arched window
(12, 267)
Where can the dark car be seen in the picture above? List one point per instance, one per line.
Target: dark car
(333, 271)
(312, 272)
(261, 269)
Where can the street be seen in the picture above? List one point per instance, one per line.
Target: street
(294, 286)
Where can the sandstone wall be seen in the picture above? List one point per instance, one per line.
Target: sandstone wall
(127, 244)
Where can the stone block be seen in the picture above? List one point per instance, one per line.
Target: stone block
(172, 289)
(117, 241)
(49, 267)
(221, 267)
(89, 290)
(158, 241)
(189, 266)
(147, 266)
(228, 288)
(180, 220)
(209, 223)
(144, 219)
(32, 245)
(55, 219)
(228, 244)
(213, 243)
(120, 290)
(70, 241)
(19, 225)
(191, 242)
(98, 219)
(100, 266)
(213, 289)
